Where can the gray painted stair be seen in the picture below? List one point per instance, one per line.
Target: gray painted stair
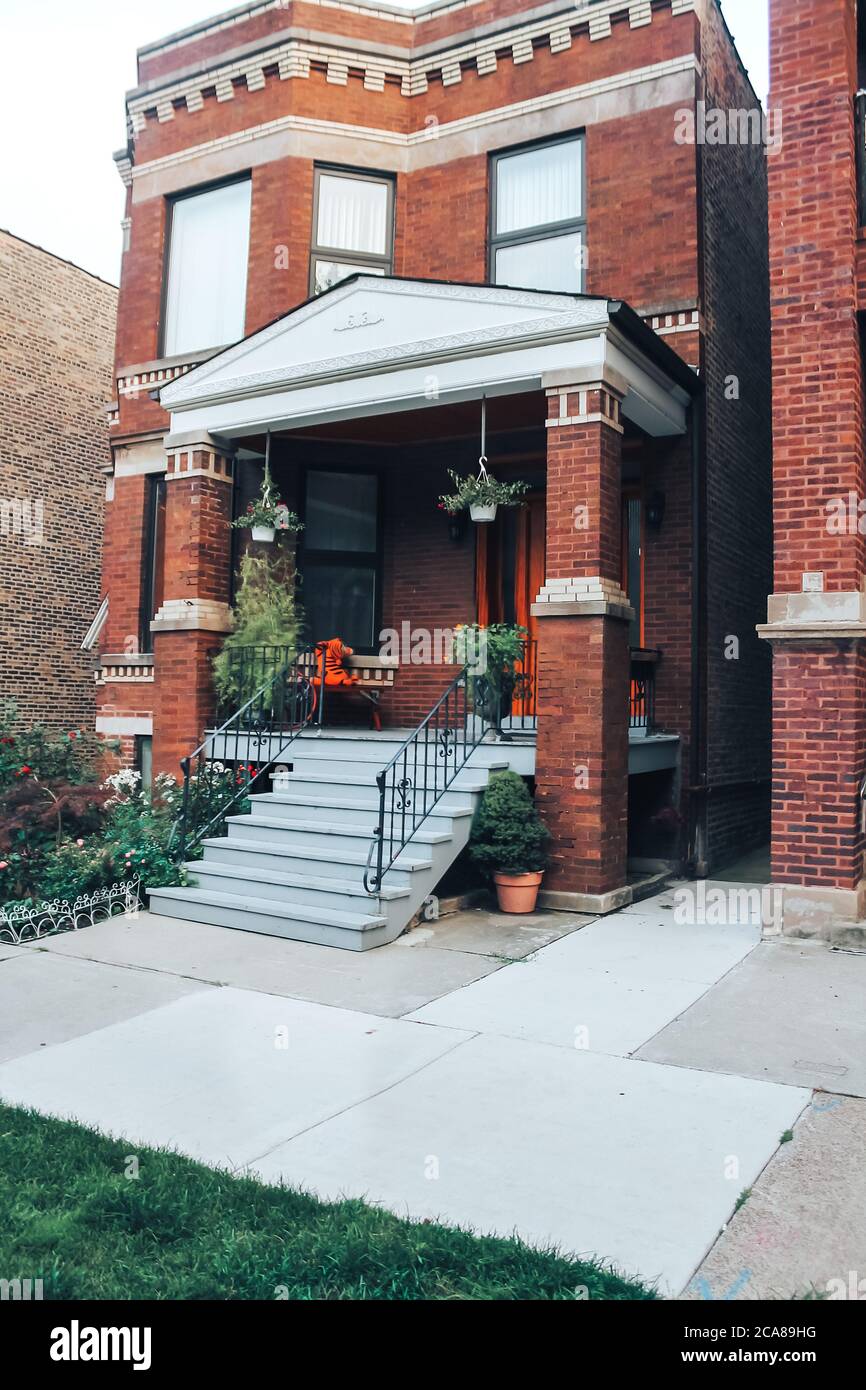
(294, 865)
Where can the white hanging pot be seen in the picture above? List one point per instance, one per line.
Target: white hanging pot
(481, 513)
(264, 533)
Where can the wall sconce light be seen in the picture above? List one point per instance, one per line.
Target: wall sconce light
(457, 526)
(655, 510)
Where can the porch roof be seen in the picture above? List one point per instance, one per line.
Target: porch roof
(373, 345)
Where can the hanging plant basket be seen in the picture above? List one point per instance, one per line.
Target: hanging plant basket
(481, 511)
(267, 514)
(481, 494)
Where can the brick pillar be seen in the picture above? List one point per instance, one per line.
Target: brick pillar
(189, 625)
(582, 756)
(817, 615)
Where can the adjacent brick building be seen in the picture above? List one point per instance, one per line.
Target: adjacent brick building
(817, 614)
(57, 326)
(504, 180)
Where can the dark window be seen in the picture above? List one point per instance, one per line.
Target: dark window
(340, 558)
(353, 226)
(153, 570)
(538, 217)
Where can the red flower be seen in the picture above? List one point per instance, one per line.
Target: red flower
(23, 771)
(72, 734)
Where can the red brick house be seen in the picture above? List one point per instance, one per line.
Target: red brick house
(817, 613)
(57, 325)
(349, 227)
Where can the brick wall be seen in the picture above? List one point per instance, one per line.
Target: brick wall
(737, 481)
(819, 750)
(56, 338)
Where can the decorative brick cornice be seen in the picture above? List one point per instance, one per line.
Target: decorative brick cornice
(589, 596)
(193, 615)
(584, 404)
(512, 40)
(134, 383)
(198, 462)
(122, 669)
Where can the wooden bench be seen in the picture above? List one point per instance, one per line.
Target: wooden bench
(375, 674)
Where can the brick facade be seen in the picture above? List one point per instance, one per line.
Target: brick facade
(57, 327)
(817, 626)
(252, 96)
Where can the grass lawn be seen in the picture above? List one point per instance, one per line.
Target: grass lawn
(70, 1215)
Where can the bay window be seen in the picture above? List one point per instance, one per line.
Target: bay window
(353, 227)
(538, 218)
(206, 269)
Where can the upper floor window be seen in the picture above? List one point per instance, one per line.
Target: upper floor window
(206, 277)
(353, 227)
(538, 219)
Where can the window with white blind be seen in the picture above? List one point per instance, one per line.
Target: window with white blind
(353, 227)
(206, 272)
(538, 218)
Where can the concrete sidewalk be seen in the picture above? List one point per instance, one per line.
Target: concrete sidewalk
(608, 1085)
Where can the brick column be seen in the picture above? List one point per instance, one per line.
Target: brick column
(582, 756)
(817, 615)
(195, 613)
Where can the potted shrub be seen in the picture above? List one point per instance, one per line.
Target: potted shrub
(480, 495)
(509, 842)
(494, 653)
(265, 626)
(267, 514)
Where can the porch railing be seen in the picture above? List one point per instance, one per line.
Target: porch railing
(218, 776)
(422, 770)
(642, 690)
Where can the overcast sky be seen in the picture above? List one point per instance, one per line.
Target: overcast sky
(66, 69)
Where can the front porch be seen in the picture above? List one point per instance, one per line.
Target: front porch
(584, 404)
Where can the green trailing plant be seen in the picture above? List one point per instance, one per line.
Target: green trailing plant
(268, 510)
(480, 490)
(493, 654)
(265, 617)
(507, 833)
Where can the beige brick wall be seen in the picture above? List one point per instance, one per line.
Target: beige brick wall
(56, 346)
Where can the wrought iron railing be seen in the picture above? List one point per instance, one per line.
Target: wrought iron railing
(423, 768)
(219, 775)
(642, 690)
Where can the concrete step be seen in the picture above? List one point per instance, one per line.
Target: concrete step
(237, 877)
(343, 810)
(310, 860)
(355, 838)
(354, 931)
(359, 787)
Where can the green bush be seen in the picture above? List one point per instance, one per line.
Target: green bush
(507, 834)
(265, 615)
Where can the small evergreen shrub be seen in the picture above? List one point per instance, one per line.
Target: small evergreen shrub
(508, 836)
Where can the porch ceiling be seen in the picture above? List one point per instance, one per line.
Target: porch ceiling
(373, 345)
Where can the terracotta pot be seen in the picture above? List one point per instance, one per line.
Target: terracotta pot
(264, 533)
(517, 893)
(479, 513)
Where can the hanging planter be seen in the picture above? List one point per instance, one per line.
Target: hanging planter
(267, 514)
(481, 494)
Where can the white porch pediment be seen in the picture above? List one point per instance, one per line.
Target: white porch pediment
(374, 345)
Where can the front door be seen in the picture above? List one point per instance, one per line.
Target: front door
(510, 571)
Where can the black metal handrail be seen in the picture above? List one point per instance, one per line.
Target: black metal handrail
(642, 689)
(422, 770)
(219, 774)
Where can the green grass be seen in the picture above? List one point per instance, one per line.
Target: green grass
(70, 1215)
